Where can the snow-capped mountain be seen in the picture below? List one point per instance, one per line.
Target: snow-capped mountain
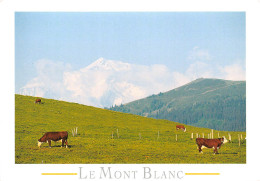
(102, 84)
(102, 64)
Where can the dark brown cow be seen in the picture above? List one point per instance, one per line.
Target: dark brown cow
(180, 127)
(210, 143)
(54, 136)
(38, 101)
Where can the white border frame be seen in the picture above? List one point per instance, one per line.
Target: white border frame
(11, 171)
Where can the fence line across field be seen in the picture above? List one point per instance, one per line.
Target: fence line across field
(181, 135)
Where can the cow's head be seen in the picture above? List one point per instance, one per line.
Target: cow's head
(224, 140)
(39, 143)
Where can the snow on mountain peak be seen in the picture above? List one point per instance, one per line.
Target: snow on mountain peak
(99, 62)
(105, 65)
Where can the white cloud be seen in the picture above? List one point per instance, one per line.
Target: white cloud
(199, 54)
(180, 79)
(103, 83)
(108, 82)
(233, 72)
(198, 70)
(48, 82)
(194, 71)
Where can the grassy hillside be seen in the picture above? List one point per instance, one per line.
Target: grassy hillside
(211, 103)
(137, 141)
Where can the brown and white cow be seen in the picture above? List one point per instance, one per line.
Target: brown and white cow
(54, 136)
(180, 127)
(38, 101)
(210, 143)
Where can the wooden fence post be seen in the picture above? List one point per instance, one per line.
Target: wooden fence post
(218, 135)
(191, 137)
(176, 137)
(158, 135)
(202, 135)
(117, 133)
(212, 133)
(229, 137)
(238, 140)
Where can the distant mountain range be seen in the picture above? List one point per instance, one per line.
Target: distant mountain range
(210, 103)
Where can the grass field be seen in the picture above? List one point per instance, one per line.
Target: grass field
(110, 137)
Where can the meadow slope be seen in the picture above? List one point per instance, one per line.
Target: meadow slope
(135, 138)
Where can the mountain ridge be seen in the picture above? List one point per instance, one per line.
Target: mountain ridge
(212, 103)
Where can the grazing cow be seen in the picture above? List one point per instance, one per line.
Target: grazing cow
(180, 127)
(38, 101)
(210, 143)
(54, 136)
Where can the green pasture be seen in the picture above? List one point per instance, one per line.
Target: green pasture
(110, 137)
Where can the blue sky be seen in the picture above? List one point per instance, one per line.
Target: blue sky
(178, 40)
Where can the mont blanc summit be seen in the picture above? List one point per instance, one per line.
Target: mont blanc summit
(102, 64)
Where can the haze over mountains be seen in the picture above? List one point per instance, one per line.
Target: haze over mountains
(211, 103)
